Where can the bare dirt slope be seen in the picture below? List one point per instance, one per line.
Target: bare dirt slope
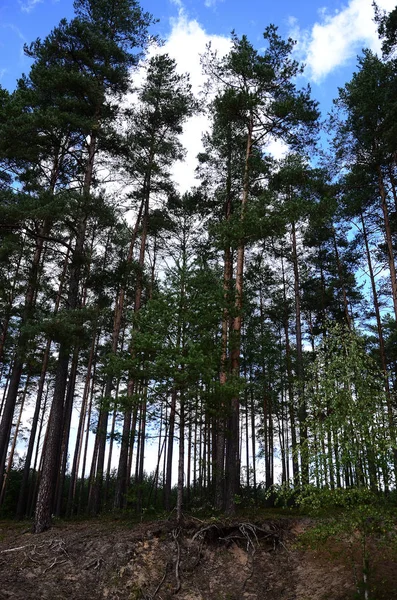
(201, 561)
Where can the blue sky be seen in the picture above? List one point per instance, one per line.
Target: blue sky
(330, 34)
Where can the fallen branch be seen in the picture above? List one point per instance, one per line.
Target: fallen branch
(14, 549)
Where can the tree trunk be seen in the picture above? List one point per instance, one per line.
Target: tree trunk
(342, 284)
(8, 312)
(51, 450)
(97, 480)
(170, 449)
(302, 411)
(122, 474)
(291, 404)
(389, 241)
(232, 445)
(80, 429)
(22, 500)
(25, 477)
(67, 417)
(181, 462)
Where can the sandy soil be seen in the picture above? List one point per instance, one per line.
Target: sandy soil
(211, 560)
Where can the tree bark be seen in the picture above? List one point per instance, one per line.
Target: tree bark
(232, 444)
(302, 410)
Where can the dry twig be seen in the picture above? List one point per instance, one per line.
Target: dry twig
(13, 549)
(53, 565)
(96, 563)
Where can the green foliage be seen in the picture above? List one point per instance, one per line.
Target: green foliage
(387, 29)
(346, 403)
(7, 508)
(323, 501)
(152, 144)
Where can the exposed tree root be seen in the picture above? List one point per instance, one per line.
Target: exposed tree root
(249, 533)
(56, 562)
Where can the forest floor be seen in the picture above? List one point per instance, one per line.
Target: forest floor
(214, 559)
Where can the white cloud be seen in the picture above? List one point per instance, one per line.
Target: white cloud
(277, 148)
(338, 37)
(186, 42)
(29, 5)
(211, 3)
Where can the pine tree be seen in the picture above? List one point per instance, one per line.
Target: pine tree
(260, 91)
(151, 146)
(89, 60)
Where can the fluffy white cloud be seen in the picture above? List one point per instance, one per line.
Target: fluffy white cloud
(277, 148)
(186, 42)
(338, 37)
